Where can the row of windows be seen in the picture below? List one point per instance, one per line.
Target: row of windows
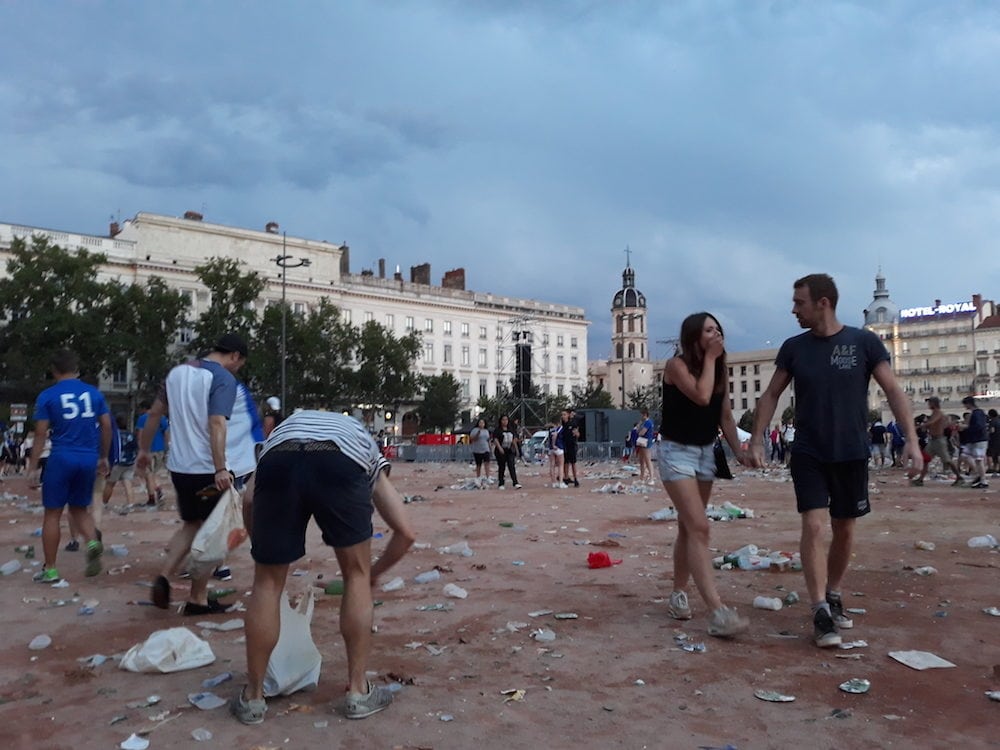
(465, 358)
(465, 329)
(743, 386)
(743, 370)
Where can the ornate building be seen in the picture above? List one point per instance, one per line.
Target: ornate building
(947, 349)
(630, 367)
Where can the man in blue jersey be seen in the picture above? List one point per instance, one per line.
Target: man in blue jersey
(326, 467)
(157, 450)
(77, 415)
(198, 396)
(832, 365)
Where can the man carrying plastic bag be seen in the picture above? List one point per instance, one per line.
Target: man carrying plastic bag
(319, 465)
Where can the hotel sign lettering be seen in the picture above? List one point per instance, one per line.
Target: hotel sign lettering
(950, 308)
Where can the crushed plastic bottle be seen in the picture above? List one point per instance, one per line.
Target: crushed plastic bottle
(427, 576)
(753, 562)
(988, 540)
(455, 592)
(767, 602)
(394, 585)
(39, 642)
(201, 735)
(459, 548)
(10, 568)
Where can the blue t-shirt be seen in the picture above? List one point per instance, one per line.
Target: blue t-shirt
(72, 409)
(831, 391)
(159, 438)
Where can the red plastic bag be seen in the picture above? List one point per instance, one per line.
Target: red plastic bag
(601, 560)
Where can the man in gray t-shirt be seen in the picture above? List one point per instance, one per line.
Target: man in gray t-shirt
(831, 364)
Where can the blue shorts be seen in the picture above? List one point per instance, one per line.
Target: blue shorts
(69, 480)
(678, 461)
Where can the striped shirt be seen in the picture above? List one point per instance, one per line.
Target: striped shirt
(349, 435)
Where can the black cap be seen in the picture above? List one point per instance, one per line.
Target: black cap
(231, 342)
(969, 400)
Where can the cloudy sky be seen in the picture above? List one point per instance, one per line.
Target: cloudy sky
(732, 146)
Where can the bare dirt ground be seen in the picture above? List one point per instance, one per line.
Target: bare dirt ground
(613, 677)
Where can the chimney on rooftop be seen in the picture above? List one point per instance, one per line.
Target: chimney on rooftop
(398, 276)
(271, 227)
(381, 268)
(421, 274)
(193, 216)
(114, 230)
(454, 279)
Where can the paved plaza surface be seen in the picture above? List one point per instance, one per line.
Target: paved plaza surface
(615, 676)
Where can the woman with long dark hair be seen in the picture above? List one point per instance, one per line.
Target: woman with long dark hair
(695, 406)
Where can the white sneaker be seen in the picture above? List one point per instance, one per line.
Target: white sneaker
(562, 485)
(678, 606)
(501, 487)
(517, 486)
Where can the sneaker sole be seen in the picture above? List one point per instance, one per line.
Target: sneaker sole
(844, 623)
(828, 640)
(366, 714)
(679, 614)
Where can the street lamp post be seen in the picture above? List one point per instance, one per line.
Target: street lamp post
(285, 262)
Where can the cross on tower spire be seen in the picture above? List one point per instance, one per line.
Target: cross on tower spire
(628, 257)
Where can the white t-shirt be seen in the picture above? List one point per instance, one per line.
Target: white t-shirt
(194, 391)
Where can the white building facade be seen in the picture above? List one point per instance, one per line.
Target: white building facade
(469, 334)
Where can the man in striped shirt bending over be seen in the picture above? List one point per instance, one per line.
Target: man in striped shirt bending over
(326, 466)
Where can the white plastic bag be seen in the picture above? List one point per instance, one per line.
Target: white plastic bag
(172, 650)
(295, 662)
(221, 532)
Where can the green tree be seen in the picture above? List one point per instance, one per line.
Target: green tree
(555, 405)
(592, 397)
(233, 295)
(319, 348)
(746, 421)
(442, 402)
(385, 374)
(788, 414)
(51, 298)
(145, 320)
(644, 397)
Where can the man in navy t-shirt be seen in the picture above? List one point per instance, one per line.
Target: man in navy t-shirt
(831, 364)
(77, 415)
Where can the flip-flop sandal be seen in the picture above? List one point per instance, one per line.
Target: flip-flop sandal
(213, 608)
(161, 592)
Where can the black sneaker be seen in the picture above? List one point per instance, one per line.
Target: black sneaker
(825, 633)
(223, 573)
(72, 546)
(979, 484)
(842, 621)
(576, 483)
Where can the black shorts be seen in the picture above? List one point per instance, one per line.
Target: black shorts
(569, 454)
(481, 458)
(298, 481)
(841, 486)
(189, 504)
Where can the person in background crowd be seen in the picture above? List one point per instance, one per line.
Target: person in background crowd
(158, 453)
(505, 451)
(975, 432)
(479, 440)
(993, 442)
(272, 415)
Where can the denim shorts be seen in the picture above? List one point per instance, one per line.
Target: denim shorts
(679, 461)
